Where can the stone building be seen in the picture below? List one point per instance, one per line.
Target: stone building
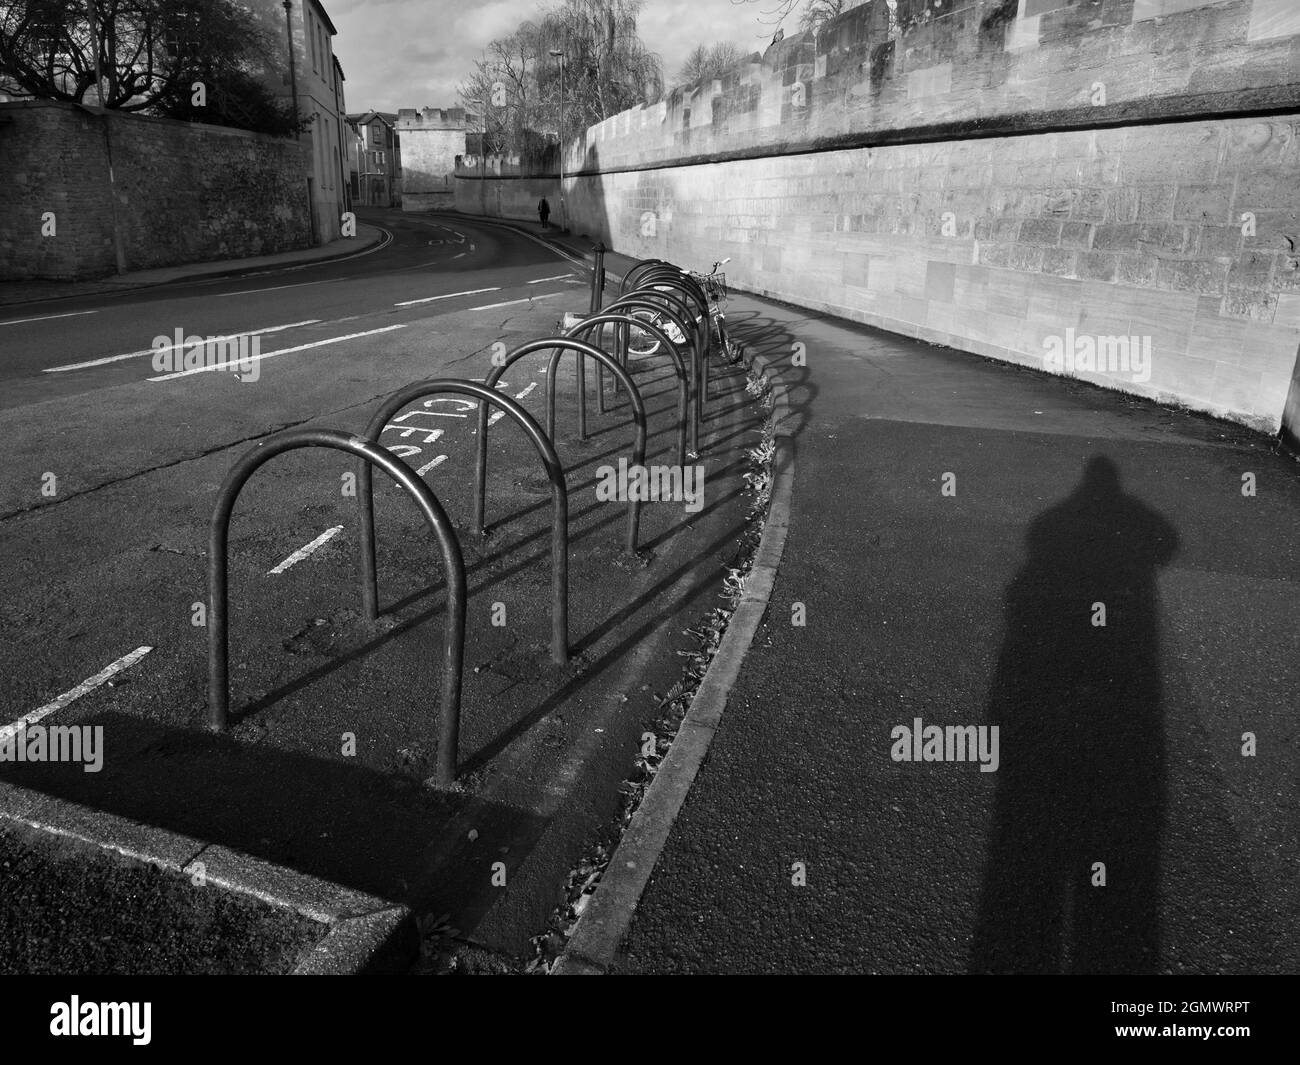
(374, 154)
(430, 141)
(319, 80)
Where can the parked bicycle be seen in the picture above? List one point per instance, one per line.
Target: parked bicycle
(714, 284)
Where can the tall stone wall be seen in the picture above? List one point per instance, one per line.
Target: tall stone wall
(431, 141)
(181, 192)
(1030, 180)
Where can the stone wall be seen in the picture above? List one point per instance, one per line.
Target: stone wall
(431, 141)
(1008, 177)
(185, 192)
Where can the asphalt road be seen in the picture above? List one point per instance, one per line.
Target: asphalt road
(104, 507)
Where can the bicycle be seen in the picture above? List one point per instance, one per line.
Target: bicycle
(714, 284)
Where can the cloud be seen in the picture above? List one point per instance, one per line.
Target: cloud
(414, 53)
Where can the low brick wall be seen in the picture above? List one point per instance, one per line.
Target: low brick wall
(1019, 179)
(185, 192)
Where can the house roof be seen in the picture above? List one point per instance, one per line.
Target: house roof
(325, 16)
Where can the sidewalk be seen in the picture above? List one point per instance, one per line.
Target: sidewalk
(18, 292)
(807, 843)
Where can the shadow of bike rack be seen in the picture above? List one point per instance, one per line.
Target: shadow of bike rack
(218, 591)
(559, 345)
(599, 321)
(679, 317)
(554, 472)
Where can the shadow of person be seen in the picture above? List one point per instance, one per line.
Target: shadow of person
(1082, 778)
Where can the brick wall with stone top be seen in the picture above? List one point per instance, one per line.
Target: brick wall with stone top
(185, 192)
(994, 173)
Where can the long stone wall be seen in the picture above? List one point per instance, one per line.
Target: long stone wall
(1106, 188)
(184, 192)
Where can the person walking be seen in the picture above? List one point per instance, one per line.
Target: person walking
(544, 213)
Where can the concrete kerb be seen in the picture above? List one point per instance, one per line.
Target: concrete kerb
(593, 947)
(364, 933)
(380, 240)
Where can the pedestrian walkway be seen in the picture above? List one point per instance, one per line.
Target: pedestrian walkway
(17, 292)
(1110, 585)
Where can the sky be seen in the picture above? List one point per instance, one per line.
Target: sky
(414, 53)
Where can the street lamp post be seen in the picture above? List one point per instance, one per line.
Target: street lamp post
(564, 221)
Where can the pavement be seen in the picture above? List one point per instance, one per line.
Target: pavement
(368, 238)
(954, 525)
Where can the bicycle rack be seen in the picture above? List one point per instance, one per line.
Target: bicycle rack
(683, 398)
(641, 264)
(218, 590)
(683, 281)
(664, 275)
(658, 288)
(634, 301)
(675, 301)
(554, 471)
(582, 348)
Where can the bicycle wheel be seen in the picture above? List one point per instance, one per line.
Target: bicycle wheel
(639, 342)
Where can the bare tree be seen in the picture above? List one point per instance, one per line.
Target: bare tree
(813, 15)
(708, 61)
(607, 68)
(146, 48)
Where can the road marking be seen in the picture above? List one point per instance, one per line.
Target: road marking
(460, 256)
(172, 347)
(282, 351)
(557, 277)
(303, 552)
(496, 416)
(48, 317)
(449, 296)
(430, 465)
(511, 303)
(277, 288)
(125, 662)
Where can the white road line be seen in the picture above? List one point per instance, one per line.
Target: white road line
(496, 416)
(48, 317)
(277, 288)
(557, 277)
(460, 256)
(282, 351)
(172, 347)
(449, 296)
(511, 303)
(126, 661)
(430, 465)
(303, 552)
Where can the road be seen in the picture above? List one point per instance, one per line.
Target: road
(110, 479)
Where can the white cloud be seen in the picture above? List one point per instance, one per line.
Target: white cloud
(413, 53)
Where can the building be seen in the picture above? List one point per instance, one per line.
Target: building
(431, 139)
(318, 78)
(374, 159)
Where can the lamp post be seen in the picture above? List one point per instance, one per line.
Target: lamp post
(564, 226)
